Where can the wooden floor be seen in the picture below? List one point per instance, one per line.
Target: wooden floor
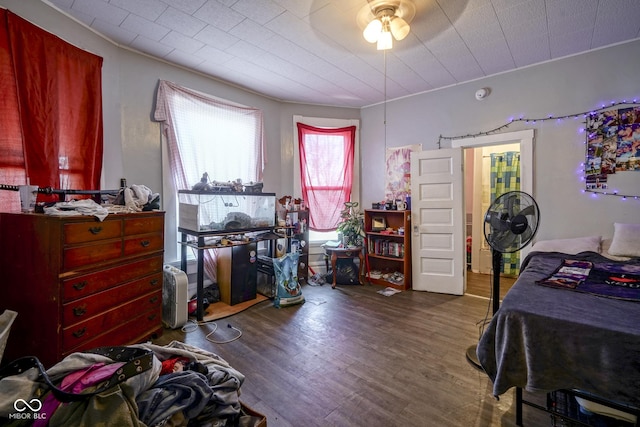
(352, 357)
(482, 284)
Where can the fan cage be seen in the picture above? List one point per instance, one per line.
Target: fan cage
(505, 219)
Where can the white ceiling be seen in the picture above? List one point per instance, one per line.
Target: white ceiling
(312, 51)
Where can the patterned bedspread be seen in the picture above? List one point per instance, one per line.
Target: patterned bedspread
(546, 338)
(607, 279)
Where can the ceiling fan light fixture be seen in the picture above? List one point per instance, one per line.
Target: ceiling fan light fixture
(385, 41)
(385, 20)
(372, 32)
(399, 28)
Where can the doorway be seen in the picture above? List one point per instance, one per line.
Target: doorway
(437, 210)
(478, 171)
(481, 167)
(477, 165)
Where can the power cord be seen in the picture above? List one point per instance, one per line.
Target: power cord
(193, 325)
(227, 341)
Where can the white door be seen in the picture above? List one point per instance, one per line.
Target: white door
(437, 207)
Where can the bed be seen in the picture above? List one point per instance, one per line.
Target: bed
(549, 336)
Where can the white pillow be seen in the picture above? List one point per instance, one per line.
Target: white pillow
(626, 240)
(604, 251)
(569, 246)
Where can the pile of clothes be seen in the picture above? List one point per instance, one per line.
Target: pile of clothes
(136, 198)
(185, 386)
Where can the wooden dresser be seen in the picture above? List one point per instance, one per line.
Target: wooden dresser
(77, 282)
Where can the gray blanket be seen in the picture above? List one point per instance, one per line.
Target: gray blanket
(544, 339)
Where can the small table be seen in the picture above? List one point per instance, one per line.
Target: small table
(335, 253)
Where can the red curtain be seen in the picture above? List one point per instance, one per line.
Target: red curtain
(50, 111)
(326, 171)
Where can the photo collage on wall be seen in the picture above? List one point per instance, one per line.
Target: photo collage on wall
(613, 145)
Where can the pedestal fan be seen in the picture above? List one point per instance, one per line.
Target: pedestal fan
(509, 225)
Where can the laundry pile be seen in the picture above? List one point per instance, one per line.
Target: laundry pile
(138, 198)
(173, 385)
(135, 198)
(77, 207)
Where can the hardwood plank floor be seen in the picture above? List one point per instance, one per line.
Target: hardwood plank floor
(352, 357)
(481, 284)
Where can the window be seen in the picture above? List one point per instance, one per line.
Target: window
(205, 134)
(329, 147)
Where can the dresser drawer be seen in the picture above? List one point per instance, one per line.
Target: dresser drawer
(143, 225)
(91, 231)
(79, 310)
(79, 256)
(84, 285)
(142, 244)
(118, 326)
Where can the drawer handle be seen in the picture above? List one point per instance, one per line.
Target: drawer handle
(153, 300)
(145, 243)
(153, 316)
(80, 285)
(153, 282)
(80, 311)
(95, 230)
(80, 332)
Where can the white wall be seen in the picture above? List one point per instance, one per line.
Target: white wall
(569, 86)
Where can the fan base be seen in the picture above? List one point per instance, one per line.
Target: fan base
(472, 358)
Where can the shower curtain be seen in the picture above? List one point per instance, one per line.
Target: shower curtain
(505, 177)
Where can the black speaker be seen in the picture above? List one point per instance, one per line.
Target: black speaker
(237, 273)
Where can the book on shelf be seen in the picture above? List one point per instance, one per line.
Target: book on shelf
(386, 248)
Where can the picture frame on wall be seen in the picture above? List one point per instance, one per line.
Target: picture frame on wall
(378, 223)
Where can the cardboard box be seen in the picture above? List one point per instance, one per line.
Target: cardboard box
(255, 418)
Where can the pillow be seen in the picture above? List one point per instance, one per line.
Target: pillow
(626, 240)
(604, 251)
(569, 246)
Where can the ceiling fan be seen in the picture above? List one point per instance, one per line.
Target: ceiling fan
(385, 20)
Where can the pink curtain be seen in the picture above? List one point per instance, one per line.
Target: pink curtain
(50, 111)
(326, 171)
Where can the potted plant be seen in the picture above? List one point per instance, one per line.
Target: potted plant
(351, 225)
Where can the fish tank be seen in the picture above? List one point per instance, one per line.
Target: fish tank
(225, 211)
